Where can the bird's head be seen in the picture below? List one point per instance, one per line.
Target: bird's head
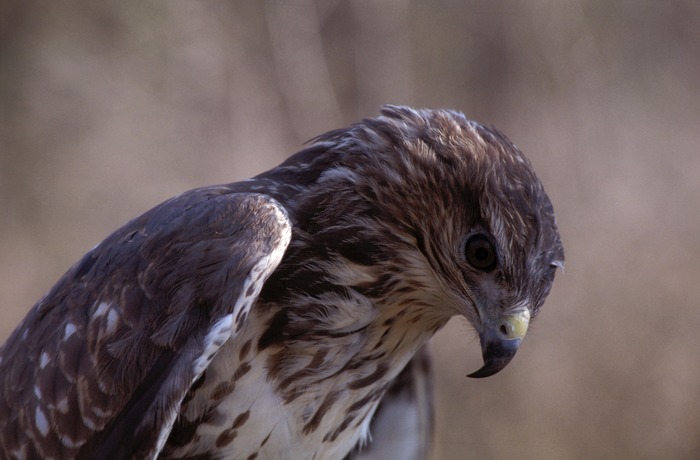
(449, 216)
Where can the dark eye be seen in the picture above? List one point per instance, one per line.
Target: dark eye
(480, 252)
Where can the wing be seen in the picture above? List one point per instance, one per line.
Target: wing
(100, 365)
(402, 426)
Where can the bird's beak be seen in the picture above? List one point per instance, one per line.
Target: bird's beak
(500, 341)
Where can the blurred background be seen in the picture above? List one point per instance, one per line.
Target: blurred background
(108, 108)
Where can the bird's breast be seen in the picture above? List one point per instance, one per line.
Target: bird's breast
(285, 401)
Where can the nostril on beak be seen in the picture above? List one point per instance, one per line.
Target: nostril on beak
(514, 326)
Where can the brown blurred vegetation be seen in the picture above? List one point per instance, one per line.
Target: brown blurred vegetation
(108, 108)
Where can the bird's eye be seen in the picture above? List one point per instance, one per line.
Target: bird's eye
(480, 252)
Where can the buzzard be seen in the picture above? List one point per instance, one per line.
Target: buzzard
(285, 316)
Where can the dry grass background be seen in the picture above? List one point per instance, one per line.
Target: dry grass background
(108, 108)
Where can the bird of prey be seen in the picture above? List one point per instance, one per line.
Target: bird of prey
(285, 316)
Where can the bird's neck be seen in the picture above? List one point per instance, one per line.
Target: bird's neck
(332, 318)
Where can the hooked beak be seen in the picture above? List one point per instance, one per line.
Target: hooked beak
(499, 343)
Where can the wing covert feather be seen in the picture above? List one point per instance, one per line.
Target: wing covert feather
(108, 354)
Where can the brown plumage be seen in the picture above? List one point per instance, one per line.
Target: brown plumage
(277, 317)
